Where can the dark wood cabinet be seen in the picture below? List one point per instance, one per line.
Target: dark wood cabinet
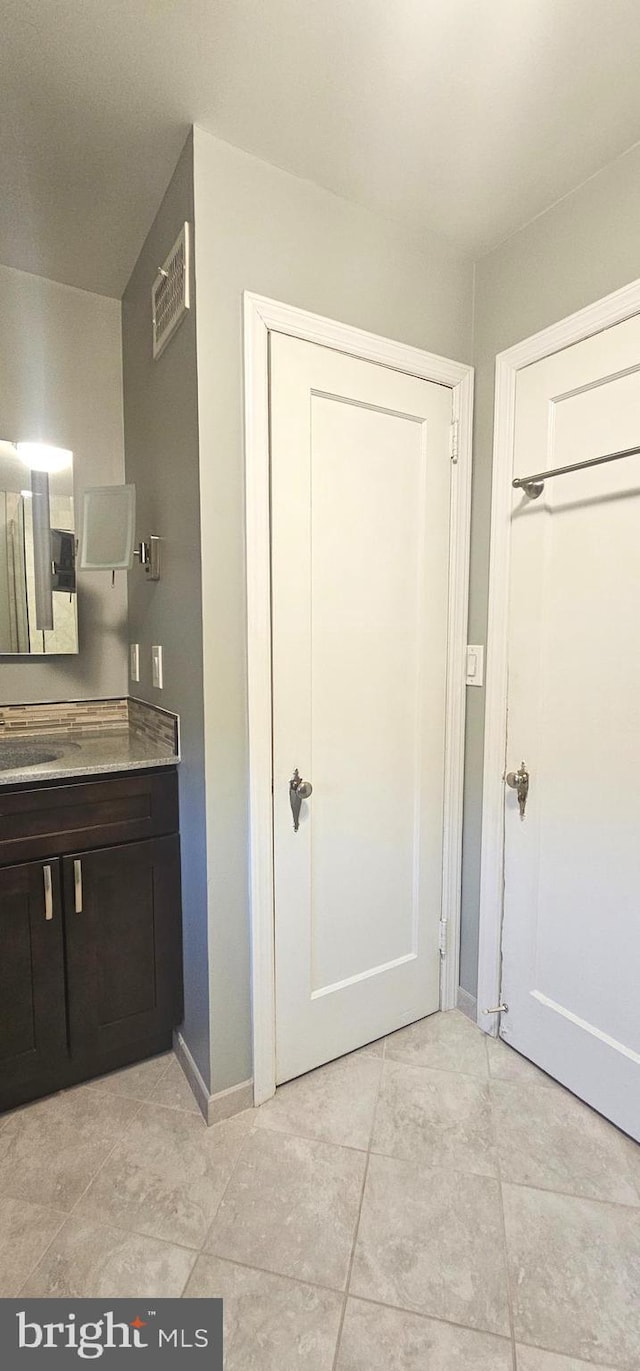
(91, 945)
(123, 944)
(77, 815)
(33, 1027)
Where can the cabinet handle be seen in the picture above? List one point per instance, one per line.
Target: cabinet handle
(77, 885)
(48, 892)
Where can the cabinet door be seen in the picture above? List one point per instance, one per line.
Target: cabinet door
(33, 1026)
(124, 946)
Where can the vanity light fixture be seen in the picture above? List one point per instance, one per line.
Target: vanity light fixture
(41, 522)
(44, 457)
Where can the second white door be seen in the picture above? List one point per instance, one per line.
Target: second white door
(571, 937)
(361, 479)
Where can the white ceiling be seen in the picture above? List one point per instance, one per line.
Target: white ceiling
(467, 117)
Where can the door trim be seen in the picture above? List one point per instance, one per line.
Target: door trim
(262, 316)
(611, 309)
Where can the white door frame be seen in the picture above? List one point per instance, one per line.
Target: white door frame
(262, 316)
(612, 309)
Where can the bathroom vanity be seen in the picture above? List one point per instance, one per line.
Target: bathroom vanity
(90, 915)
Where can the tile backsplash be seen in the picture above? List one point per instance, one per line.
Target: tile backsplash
(158, 725)
(62, 716)
(101, 716)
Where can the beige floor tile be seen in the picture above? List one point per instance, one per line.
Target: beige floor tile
(431, 1241)
(575, 1275)
(291, 1207)
(270, 1323)
(49, 1151)
(25, 1231)
(448, 1042)
(505, 1064)
(88, 1260)
(532, 1359)
(174, 1090)
(167, 1176)
(375, 1338)
(548, 1138)
(441, 1118)
(137, 1081)
(374, 1049)
(5, 1138)
(336, 1103)
(286, 1197)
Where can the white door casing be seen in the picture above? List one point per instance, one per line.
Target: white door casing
(360, 493)
(262, 318)
(570, 938)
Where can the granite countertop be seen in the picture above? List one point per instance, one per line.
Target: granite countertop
(50, 744)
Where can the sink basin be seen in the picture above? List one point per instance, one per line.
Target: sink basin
(16, 756)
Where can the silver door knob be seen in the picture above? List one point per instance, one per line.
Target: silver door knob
(519, 781)
(299, 790)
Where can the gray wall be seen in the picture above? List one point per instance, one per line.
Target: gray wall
(161, 439)
(580, 250)
(260, 229)
(61, 380)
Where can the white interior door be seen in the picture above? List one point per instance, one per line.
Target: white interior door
(360, 547)
(571, 938)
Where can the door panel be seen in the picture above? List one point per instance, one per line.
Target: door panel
(360, 542)
(123, 944)
(33, 1030)
(572, 866)
(365, 647)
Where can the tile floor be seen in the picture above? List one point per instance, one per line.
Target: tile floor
(430, 1203)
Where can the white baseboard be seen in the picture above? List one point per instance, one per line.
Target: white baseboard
(468, 1004)
(214, 1108)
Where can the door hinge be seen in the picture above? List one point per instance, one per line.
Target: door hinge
(443, 937)
(453, 440)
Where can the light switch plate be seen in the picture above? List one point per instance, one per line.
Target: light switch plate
(134, 661)
(156, 667)
(475, 664)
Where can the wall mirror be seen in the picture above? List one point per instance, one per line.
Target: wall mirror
(38, 601)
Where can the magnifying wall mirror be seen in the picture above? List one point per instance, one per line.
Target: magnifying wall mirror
(38, 601)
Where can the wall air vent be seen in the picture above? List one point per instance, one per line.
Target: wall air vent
(170, 292)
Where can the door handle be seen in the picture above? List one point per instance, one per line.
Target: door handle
(48, 892)
(77, 885)
(519, 781)
(299, 790)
